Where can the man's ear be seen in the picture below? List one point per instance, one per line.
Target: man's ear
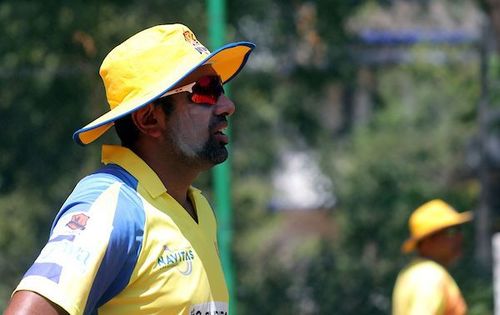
(149, 120)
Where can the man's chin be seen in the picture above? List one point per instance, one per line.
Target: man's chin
(220, 156)
(214, 153)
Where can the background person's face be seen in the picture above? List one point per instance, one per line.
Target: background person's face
(446, 245)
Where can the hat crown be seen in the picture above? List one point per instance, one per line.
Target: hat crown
(158, 54)
(432, 216)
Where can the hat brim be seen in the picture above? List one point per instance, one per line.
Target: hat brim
(410, 244)
(227, 61)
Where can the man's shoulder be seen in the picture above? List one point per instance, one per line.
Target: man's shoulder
(108, 190)
(104, 177)
(90, 187)
(425, 269)
(111, 173)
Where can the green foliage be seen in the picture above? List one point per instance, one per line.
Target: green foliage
(413, 151)
(24, 227)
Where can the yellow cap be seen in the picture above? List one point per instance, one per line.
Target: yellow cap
(150, 63)
(432, 217)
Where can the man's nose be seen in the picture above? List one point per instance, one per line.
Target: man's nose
(224, 106)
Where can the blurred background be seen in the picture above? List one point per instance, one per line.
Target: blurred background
(350, 114)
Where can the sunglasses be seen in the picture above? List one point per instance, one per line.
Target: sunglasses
(452, 231)
(449, 232)
(206, 90)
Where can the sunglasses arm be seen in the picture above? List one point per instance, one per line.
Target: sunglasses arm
(184, 88)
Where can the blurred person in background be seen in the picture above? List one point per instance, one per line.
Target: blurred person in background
(425, 287)
(135, 237)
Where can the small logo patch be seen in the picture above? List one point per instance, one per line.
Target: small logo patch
(190, 38)
(78, 221)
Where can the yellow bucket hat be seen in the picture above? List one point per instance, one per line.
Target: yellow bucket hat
(150, 63)
(432, 217)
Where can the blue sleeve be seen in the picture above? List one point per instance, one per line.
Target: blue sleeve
(100, 202)
(122, 252)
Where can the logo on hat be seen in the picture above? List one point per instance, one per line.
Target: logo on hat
(190, 38)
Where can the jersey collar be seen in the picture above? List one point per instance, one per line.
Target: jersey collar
(127, 159)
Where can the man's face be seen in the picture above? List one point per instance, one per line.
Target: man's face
(446, 245)
(196, 131)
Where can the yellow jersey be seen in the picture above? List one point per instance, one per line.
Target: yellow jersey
(122, 245)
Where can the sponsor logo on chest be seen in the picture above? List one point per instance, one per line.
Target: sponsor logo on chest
(181, 257)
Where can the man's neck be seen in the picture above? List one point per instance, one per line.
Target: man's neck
(442, 262)
(176, 175)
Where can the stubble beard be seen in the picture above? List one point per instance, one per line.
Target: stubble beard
(211, 152)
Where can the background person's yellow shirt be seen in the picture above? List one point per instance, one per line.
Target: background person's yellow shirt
(425, 288)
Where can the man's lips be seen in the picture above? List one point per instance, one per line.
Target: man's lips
(219, 134)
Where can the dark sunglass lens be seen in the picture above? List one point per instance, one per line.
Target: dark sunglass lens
(207, 90)
(205, 82)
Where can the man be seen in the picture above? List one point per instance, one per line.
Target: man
(424, 287)
(134, 237)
